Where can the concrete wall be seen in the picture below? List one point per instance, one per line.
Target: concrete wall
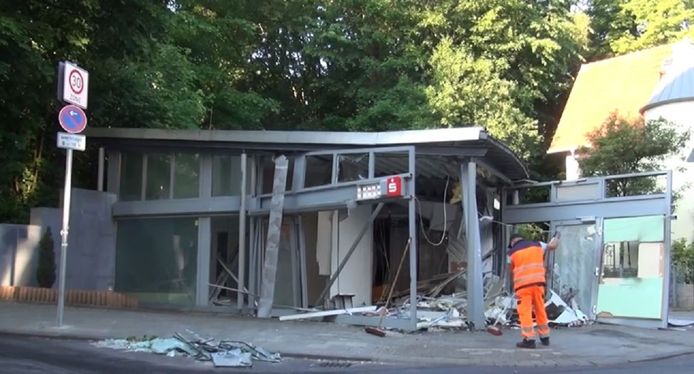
(18, 254)
(685, 296)
(91, 255)
(681, 114)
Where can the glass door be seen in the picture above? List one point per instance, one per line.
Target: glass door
(633, 268)
(573, 272)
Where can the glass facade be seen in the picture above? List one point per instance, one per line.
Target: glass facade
(226, 175)
(186, 176)
(131, 177)
(158, 176)
(156, 260)
(164, 176)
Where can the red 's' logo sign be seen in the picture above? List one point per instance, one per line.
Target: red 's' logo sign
(394, 186)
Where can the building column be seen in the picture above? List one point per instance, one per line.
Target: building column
(202, 290)
(475, 294)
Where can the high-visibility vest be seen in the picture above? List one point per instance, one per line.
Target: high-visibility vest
(527, 260)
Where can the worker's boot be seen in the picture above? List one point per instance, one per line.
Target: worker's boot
(529, 344)
(544, 341)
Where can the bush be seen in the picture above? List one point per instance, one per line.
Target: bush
(683, 261)
(45, 272)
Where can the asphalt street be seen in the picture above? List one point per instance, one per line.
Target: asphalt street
(21, 354)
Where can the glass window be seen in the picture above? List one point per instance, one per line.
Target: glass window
(318, 170)
(353, 167)
(268, 173)
(226, 175)
(221, 175)
(156, 260)
(390, 164)
(158, 176)
(187, 175)
(131, 177)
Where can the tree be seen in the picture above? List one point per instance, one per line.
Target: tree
(623, 146)
(683, 260)
(45, 271)
(621, 26)
(356, 65)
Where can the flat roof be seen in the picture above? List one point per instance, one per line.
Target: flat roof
(497, 154)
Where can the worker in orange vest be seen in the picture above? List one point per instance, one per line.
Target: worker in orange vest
(527, 261)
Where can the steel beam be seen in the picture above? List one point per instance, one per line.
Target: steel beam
(202, 289)
(606, 208)
(240, 302)
(667, 256)
(412, 228)
(475, 295)
(100, 172)
(190, 207)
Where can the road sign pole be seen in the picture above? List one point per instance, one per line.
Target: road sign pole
(63, 235)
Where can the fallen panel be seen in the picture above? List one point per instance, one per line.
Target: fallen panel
(267, 290)
(680, 322)
(232, 358)
(326, 313)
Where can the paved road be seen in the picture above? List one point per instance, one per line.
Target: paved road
(19, 354)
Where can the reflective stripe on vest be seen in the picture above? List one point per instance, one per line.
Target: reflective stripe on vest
(528, 266)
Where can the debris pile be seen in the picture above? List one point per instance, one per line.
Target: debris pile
(222, 353)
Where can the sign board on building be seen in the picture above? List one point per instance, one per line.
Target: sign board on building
(72, 141)
(72, 119)
(73, 84)
(394, 186)
(387, 187)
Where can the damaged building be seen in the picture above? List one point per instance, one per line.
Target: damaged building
(277, 223)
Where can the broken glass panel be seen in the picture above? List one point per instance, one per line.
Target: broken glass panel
(353, 167)
(573, 273)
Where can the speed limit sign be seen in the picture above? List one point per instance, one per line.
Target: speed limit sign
(74, 84)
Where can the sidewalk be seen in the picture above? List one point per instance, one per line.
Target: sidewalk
(591, 345)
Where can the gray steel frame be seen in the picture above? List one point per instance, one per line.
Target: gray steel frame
(598, 209)
(300, 199)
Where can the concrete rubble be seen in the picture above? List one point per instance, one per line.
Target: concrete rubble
(222, 353)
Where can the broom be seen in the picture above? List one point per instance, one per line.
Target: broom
(378, 331)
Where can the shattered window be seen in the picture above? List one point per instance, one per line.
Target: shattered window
(353, 167)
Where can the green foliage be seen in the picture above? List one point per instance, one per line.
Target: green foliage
(621, 26)
(531, 231)
(366, 65)
(45, 271)
(683, 260)
(624, 146)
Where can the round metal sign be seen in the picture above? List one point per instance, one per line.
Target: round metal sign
(72, 119)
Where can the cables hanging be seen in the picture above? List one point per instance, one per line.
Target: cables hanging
(445, 217)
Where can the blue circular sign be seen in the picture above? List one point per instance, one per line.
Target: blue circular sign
(72, 119)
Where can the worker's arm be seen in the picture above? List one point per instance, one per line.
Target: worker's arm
(554, 243)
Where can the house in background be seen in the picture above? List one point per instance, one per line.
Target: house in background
(653, 83)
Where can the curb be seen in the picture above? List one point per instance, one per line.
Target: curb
(86, 338)
(387, 359)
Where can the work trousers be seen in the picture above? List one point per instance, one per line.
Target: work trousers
(529, 298)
